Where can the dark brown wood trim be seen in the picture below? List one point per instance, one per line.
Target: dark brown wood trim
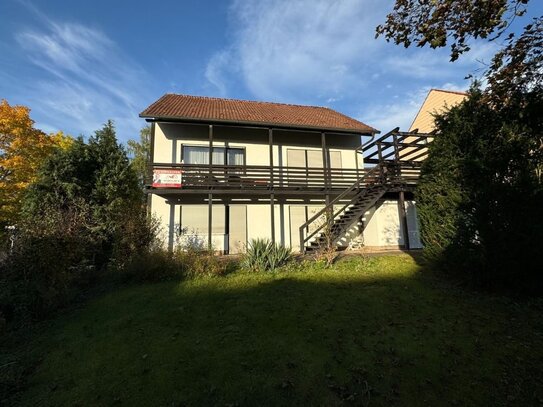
(262, 126)
(272, 196)
(210, 196)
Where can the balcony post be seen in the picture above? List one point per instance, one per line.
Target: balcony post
(397, 168)
(210, 195)
(381, 162)
(325, 168)
(149, 173)
(272, 195)
(210, 175)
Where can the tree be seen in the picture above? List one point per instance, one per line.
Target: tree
(481, 188)
(480, 195)
(141, 154)
(23, 149)
(97, 174)
(115, 187)
(514, 70)
(81, 216)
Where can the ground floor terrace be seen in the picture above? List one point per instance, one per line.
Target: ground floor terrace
(229, 221)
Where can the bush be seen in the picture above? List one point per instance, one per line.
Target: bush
(263, 255)
(51, 261)
(201, 263)
(154, 265)
(189, 259)
(160, 265)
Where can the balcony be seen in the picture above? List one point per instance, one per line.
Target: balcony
(257, 179)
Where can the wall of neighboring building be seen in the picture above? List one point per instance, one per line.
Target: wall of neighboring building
(437, 101)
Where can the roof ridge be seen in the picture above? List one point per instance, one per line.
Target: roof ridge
(247, 100)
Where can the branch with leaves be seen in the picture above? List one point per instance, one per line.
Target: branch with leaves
(515, 71)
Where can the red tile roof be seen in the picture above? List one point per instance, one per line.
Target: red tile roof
(199, 108)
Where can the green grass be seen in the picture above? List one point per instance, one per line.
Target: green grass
(368, 331)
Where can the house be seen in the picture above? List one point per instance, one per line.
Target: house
(437, 101)
(227, 171)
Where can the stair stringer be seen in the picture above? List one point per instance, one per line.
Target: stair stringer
(364, 200)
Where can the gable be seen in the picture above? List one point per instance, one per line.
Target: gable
(437, 101)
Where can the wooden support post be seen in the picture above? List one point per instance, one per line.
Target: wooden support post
(356, 164)
(302, 245)
(325, 168)
(397, 168)
(210, 175)
(272, 195)
(210, 195)
(209, 221)
(381, 162)
(171, 229)
(403, 219)
(149, 170)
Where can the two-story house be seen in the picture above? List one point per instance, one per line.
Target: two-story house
(228, 171)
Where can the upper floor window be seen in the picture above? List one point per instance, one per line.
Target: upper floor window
(221, 155)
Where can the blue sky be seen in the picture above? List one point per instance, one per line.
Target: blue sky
(78, 63)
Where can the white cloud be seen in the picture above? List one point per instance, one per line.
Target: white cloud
(387, 116)
(84, 79)
(283, 48)
(313, 51)
(215, 71)
(431, 64)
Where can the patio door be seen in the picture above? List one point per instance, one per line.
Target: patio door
(310, 160)
(221, 155)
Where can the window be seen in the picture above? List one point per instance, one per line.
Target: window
(221, 155)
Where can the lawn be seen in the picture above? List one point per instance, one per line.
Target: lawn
(372, 331)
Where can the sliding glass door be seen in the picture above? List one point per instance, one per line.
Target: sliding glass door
(221, 155)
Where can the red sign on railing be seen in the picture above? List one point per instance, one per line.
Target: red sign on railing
(167, 178)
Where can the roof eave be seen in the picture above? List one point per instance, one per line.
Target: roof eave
(149, 118)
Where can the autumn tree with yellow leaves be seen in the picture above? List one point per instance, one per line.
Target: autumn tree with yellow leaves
(23, 149)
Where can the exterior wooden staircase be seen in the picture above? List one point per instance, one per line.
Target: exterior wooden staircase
(397, 158)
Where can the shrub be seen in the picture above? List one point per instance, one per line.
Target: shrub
(139, 234)
(327, 251)
(154, 265)
(189, 259)
(51, 260)
(263, 255)
(200, 263)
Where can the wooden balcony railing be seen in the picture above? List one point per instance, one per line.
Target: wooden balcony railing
(256, 177)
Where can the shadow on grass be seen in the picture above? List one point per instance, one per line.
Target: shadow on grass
(328, 338)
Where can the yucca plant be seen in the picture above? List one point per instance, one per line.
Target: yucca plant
(263, 255)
